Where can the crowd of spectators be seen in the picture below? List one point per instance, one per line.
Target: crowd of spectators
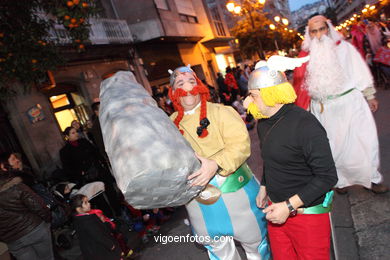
(33, 210)
(372, 39)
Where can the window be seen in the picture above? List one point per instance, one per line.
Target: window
(68, 107)
(217, 21)
(185, 7)
(161, 4)
(188, 18)
(192, 19)
(59, 101)
(183, 18)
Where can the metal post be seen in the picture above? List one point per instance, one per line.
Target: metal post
(276, 40)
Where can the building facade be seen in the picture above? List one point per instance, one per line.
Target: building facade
(299, 17)
(146, 37)
(172, 33)
(34, 121)
(345, 9)
(279, 8)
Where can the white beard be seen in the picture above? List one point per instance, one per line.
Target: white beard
(324, 75)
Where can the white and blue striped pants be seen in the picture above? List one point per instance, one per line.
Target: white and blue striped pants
(236, 215)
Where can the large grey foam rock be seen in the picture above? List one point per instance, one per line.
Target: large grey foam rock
(150, 159)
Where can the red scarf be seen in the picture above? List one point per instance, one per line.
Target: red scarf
(74, 143)
(100, 214)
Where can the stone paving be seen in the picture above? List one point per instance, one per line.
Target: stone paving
(361, 219)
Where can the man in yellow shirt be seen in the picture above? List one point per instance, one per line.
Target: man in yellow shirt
(226, 208)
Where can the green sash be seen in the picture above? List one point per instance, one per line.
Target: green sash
(339, 95)
(237, 180)
(325, 207)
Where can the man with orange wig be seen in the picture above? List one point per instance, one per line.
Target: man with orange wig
(298, 173)
(226, 208)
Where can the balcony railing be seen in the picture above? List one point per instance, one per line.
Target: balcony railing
(105, 31)
(102, 31)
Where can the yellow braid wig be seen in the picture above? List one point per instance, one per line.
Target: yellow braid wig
(283, 93)
(255, 111)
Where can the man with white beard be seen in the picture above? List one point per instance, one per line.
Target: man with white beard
(337, 85)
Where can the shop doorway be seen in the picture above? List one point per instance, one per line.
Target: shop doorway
(213, 75)
(198, 71)
(67, 106)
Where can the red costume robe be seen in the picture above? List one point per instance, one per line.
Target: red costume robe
(303, 98)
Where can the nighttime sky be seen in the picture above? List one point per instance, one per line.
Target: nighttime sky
(296, 4)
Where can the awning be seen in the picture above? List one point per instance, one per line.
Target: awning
(174, 39)
(217, 42)
(223, 50)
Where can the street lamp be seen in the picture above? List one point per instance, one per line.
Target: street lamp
(248, 8)
(284, 24)
(284, 20)
(237, 9)
(230, 6)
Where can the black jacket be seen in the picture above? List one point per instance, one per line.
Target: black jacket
(21, 210)
(222, 88)
(297, 156)
(26, 175)
(96, 132)
(80, 158)
(95, 238)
